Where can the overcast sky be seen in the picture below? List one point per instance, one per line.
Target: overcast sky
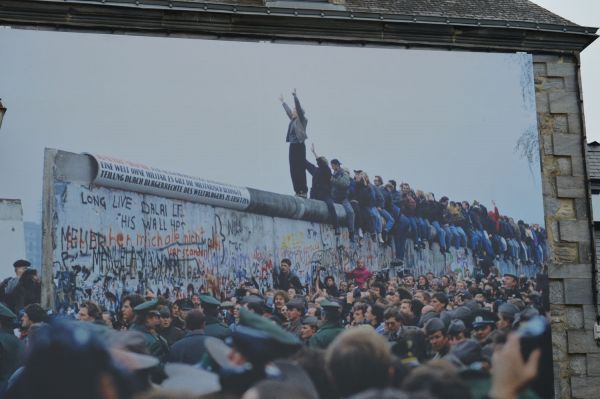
(210, 109)
(446, 122)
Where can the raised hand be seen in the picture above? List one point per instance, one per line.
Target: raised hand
(510, 373)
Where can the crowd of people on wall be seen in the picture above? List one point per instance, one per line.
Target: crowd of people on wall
(390, 214)
(370, 335)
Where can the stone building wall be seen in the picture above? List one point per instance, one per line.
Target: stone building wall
(566, 202)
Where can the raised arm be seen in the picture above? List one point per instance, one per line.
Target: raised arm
(312, 149)
(287, 109)
(299, 108)
(310, 167)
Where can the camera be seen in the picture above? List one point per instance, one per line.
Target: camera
(531, 332)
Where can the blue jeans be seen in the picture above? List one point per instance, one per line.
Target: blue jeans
(451, 236)
(500, 244)
(349, 215)
(371, 222)
(475, 240)
(456, 236)
(412, 222)
(440, 233)
(487, 244)
(523, 253)
(332, 214)
(376, 219)
(462, 236)
(389, 220)
(513, 245)
(539, 254)
(424, 229)
(400, 234)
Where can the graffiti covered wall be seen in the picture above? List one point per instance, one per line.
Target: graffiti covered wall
(109, 242)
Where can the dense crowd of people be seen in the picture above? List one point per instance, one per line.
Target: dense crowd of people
(390, 214)
(369, 335)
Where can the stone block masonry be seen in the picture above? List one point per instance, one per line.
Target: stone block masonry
(566, 202)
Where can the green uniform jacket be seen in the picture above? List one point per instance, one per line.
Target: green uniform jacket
(325, 335)
(11, 351)
(294, 327)
(214, 328)
(157, 345)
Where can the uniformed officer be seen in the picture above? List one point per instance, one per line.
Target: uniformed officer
(310, 324)
(484, 326)
(255, 343)
(214, 327)
(435, 329)
(331, 328)
(507, 312)
(11, 349)
(295, 310)
(147, 321)
(456, 332)
(276, 341)
(510, 284)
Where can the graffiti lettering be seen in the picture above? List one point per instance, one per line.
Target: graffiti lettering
(122, 201)
(95, 200)
(154, 209)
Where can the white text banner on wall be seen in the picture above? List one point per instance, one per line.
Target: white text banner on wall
(133, 176)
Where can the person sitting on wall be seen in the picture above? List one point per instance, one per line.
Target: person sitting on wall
(285, 278)
(435, 215)
(365, 195)
(401, 225)
(383, 200)
(321, 185)
(340, 186)
(296, 135)
(353, 192)
(422, 222)
(409, 209)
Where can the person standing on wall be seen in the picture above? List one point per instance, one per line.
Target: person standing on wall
(296, 135)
